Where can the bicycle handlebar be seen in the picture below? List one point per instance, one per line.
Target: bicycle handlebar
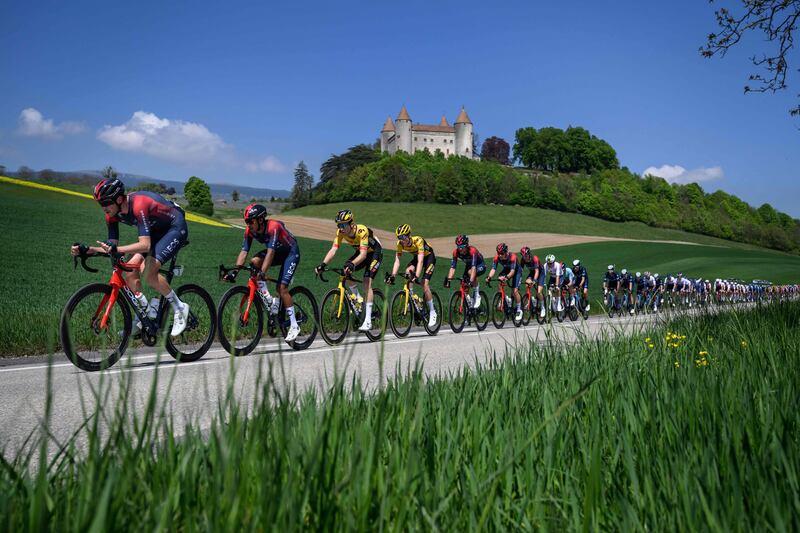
(254, 272)
(339, 271)
(84, 254)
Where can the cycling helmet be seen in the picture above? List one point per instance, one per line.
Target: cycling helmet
(107, 191)
(611, 267)
(655, 275)
(563, 266)
(403, 229)
(462, 240)
(345, 215)
(576, 263)
(624, 270)
(550, 258)
(638, 274)
(526, 254)
(707, 281)
(254, 212)
(502, 248)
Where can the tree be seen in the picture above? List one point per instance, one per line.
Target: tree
(198, 195)
(235, 195)
(109, 173)
(303, 182)
(25, 172)
(774, 21)
(2, 170)
(341, 165)
(495, 149)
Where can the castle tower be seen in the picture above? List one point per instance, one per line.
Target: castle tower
(463, 128)
(386, 133)
(403, 131)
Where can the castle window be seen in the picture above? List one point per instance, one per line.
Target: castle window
(415, 138)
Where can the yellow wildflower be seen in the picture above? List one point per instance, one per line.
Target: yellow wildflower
(703, 353)
(647, 339)
(744, 344)
(677, 364)
(650, 345)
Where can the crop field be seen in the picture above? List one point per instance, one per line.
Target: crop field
(37, 277)
(440, 220)
(691, 426)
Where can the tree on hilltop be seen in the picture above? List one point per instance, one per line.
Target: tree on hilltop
(109, 173)
(495, 149)
(198, 196)
(341, 165)
(303, 182)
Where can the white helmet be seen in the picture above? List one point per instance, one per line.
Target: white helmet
(576, 262)
(550, 258)
(611, 267)
(623, 272)
(638, 274)
(655, 275)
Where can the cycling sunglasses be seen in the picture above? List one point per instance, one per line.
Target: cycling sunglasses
(343, 225)
(462, 246)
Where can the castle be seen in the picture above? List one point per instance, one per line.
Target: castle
(403, 135)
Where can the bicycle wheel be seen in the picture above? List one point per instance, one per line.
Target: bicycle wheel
(537, 310)
(573, 312)
(482, 313)
(305, 313)
(527, 309)
(334, 317)
(401, 315)
(237, 334)
(201, 325)
(437, 306)
(561, 315)
(498, 312)
(457, 312)
(89, 346)
(378, 316)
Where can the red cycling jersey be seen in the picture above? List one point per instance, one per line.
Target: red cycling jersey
(275, 236)
(152, 214)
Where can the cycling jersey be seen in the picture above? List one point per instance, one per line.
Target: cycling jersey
(533, 266)
(569, 277)
(509, 263)
(362, 239)
(554, 270)
(156, 217)
(472, 259)
(275, 236)
(611, 279)
(416, 244)
(627, 279)
(640, 283)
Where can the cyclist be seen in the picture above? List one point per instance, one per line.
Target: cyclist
(568, 283)
(628, 283)
(555, 273)
(581, 280)
(368, 256)
(162, 231)
(535, 275)
(659, 291)
(282, 249)
(611, 282)
(421, 267)
(510, 273)
(473, 268)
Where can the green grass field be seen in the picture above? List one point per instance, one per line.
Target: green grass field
(438, 220)
(37, 277)
(688, 427)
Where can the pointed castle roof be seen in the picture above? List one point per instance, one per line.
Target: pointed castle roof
(403, 114)
(389, 125)
(444, 122)
(463, 118)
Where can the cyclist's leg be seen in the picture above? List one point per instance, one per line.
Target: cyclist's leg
(428, 266)
(162, 251)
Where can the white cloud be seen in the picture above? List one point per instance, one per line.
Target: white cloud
(172, 140)
(33, 124)
(268, 164)
(678, 174)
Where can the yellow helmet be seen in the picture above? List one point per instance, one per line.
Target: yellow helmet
(345, 215)
(403, 229)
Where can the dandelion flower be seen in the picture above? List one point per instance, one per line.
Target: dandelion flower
(650, 345)
(677, 364)
(744, 344)
(704, 353)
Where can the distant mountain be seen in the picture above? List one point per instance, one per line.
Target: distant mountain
(217, 189)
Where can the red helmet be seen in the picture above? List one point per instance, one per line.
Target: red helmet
(502, 248)
(526, 254)
(462, 240)
(254, 212)
(107, 191)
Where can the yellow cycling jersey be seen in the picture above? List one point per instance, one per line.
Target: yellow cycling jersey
(416, 245)
(362, 239)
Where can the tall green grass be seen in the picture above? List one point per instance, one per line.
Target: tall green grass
(637, 433)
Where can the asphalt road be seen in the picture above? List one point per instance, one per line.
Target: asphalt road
(192, 390)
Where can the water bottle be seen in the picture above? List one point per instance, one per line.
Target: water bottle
(177, 271)
(152, 308)
(508, 301)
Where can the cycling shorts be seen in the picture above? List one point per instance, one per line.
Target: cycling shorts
(536, 281)
(370, 264)
(480, 268)
(166, 246)
(428, 265)
(578, 282)
(513, 282)
(288, 260)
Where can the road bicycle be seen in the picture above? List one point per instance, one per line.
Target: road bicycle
(462, 313)
(242, 310)
(570, 303)
(531, 306)
(342, 309)
(580, 303)
(503, 307)
(96, 324)
(552, 300)
(612, 303)
(408, 309)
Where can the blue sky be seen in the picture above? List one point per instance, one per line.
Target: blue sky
(239, 92)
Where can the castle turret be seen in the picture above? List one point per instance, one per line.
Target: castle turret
(463, 128)
(403, 131)
(386, 134)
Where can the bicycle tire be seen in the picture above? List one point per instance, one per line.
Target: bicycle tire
(329, 334)
(378, 305)
(187, 357)
(396, 308)
(482, 313)
(304, 313)
(66, 329)
(224, 336)
(457, 312)
(527, 309)
(498, 311)
(437, 306)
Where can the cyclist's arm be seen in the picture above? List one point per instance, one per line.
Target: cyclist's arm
(491, 273)
(420, 260)
(362, 254)
(268, 260)
(396, 266)
(241, 258)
